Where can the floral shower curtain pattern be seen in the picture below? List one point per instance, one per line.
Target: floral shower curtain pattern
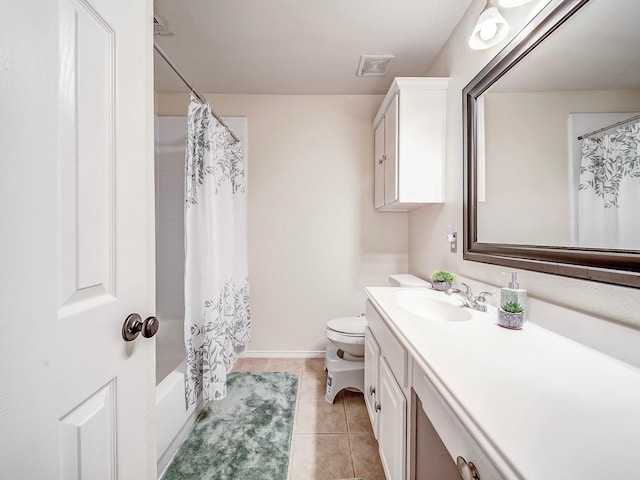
(609, 190)
(217, 313)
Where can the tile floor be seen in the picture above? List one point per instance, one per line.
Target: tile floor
(329, 441)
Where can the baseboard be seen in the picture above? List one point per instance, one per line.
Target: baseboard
(282, 354)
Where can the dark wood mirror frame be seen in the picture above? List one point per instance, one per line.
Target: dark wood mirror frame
(618, 267)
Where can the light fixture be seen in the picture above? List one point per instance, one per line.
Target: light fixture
(491, 28)
(512, 3)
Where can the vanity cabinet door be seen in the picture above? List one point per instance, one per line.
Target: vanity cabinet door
(391, 424)
(371, 362)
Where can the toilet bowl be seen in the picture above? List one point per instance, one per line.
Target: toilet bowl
(347, 333)
(344, 357)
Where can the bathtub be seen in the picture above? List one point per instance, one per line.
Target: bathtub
(173, 420)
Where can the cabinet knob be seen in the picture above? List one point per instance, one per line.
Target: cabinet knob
(467, 470)
(377, 407)
(380, 161)
(372, 390)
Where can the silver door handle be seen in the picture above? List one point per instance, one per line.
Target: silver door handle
(133, 326)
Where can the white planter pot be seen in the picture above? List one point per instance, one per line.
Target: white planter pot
(514, 321)
(441, 286)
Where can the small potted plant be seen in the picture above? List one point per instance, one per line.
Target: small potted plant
(511, 315)
(441, 280)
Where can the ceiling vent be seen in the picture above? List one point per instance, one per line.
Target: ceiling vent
(159, 27)
(374, 65)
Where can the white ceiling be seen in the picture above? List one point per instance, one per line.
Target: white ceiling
(298, 46)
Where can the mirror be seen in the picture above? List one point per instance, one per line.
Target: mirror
(537, 196)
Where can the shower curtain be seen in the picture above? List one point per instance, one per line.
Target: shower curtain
(217, 314)
(609, 190)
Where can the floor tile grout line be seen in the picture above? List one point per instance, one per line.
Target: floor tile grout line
(346, 416)
(346, 419)
(353, 462)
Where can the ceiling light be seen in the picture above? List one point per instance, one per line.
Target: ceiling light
(512, 3)
(491, 28)
(374, 65)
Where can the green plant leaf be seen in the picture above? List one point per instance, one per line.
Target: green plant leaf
(512, 307)
(442, 276)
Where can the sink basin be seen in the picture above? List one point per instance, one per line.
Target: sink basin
(427, 305)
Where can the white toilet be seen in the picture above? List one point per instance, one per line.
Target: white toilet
(344, 358)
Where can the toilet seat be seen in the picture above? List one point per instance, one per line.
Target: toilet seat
(342, 339)
(348, 326)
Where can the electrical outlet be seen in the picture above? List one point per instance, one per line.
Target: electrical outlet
(452, 238)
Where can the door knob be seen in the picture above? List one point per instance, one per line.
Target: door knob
(150, 327)
(133, 326)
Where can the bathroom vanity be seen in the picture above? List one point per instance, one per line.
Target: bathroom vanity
(450, 391)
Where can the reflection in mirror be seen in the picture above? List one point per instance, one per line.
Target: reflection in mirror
(558, 141)
(573, 83)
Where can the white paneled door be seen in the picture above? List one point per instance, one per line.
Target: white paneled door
(77, 400)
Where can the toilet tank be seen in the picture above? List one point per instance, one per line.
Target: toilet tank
(407, 280)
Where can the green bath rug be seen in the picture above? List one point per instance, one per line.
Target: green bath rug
(245, 436)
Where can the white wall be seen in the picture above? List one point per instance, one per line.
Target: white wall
(314, 238)
(428, 248)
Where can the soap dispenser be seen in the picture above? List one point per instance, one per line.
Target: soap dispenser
(513, 292)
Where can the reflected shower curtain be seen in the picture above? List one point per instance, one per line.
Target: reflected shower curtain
(609, 190)
(217, 315)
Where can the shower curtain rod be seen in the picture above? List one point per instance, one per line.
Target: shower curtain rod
(600, 130)
(190, 86)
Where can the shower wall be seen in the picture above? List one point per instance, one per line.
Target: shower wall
(169, 178)
(171, 135)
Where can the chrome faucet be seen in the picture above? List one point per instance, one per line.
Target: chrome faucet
(478, 302)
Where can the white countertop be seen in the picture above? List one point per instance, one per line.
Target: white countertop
(540, 405)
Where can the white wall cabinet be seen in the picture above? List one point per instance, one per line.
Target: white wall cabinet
(409, 139)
